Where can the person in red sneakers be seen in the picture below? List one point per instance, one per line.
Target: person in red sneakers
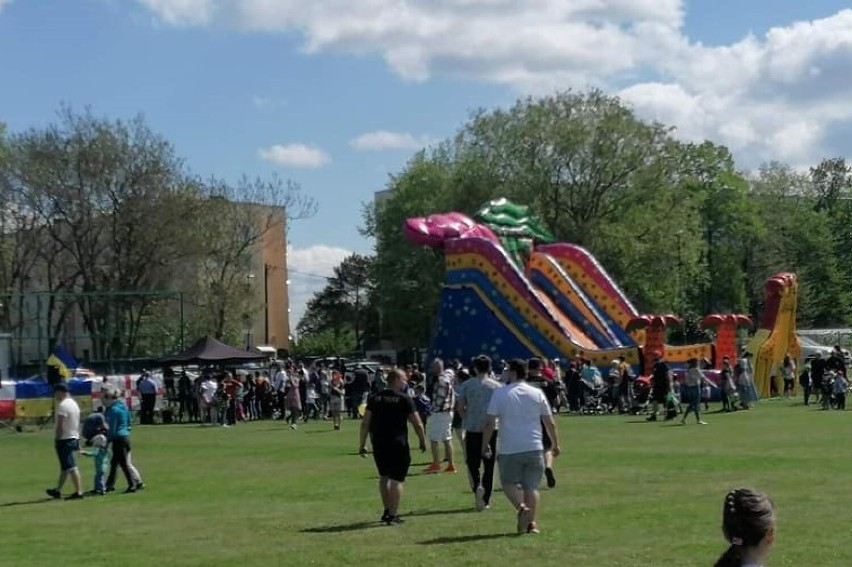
(522, 409)
(441, 421)
(386, 419)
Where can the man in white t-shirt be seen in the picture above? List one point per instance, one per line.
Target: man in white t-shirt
(279, 384)
(67, 442)
(208, 400)
(522, 409)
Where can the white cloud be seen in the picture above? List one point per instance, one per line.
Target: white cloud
(267, 102)
(307, 268)
(4, 3)
(503, 41)
(777, 97)
(384, 140)
(294, 155)
(781, 95)
(181, 12)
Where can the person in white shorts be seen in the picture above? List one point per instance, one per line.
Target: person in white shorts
(522, 409)
(440, 425)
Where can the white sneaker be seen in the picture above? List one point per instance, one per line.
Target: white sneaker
(702, 423)
(479, 499)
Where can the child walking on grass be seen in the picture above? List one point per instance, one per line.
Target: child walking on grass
(100, 454)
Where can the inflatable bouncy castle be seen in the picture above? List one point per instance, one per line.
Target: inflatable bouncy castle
(510, 290)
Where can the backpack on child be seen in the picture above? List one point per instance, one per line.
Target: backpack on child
(93, 425)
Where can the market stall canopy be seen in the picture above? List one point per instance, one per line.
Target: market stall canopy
(209, 350)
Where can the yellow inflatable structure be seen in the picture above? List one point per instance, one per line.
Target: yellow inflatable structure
(776, 336)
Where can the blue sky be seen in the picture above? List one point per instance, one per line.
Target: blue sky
(256, 87)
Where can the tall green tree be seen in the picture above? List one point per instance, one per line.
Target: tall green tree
(109, 196)
(408, 278)
(101, 216)
(233, 221)
(798, 237)
(831, 181)
(345, 304)
(727, 220)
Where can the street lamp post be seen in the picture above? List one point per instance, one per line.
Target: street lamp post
(266, 268)
(249, 318)
(680, 288)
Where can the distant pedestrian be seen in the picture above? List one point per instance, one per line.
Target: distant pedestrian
(147, 388)
(661, 384)
(788, 374)
(336, 396)
(694, 381)
(806, 383)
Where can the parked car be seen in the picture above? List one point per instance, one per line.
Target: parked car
(810, 348)
(350, 367)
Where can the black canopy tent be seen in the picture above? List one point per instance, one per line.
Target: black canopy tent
(210, 351)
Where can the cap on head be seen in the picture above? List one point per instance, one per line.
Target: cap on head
(60, 387)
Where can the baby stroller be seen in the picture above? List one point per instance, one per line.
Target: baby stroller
(641, 395)
(594, 393)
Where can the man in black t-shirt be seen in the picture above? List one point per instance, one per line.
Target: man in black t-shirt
(661, 384)
(386, 420)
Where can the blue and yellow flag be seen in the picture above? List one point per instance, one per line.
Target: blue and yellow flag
(64, 362)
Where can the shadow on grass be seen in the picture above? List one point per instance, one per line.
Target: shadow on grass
(464, 538)
(342, 528)
(25, 502)
(438, 512)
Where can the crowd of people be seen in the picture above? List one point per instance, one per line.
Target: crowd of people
(508, 421)
(503, 418)
(286, 391)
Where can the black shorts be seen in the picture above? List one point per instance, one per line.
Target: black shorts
(545, 439)
(392, 461)
(457, 420)
(659, 396)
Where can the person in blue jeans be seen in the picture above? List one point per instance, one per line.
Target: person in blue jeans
(693, 381)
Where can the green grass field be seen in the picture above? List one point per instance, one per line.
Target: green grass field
(629, 493)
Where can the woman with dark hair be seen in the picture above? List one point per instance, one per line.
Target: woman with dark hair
(748, 522)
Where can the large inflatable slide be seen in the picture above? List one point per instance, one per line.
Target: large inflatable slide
(511, 290)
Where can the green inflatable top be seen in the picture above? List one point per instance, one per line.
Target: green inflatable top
(517, 229)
